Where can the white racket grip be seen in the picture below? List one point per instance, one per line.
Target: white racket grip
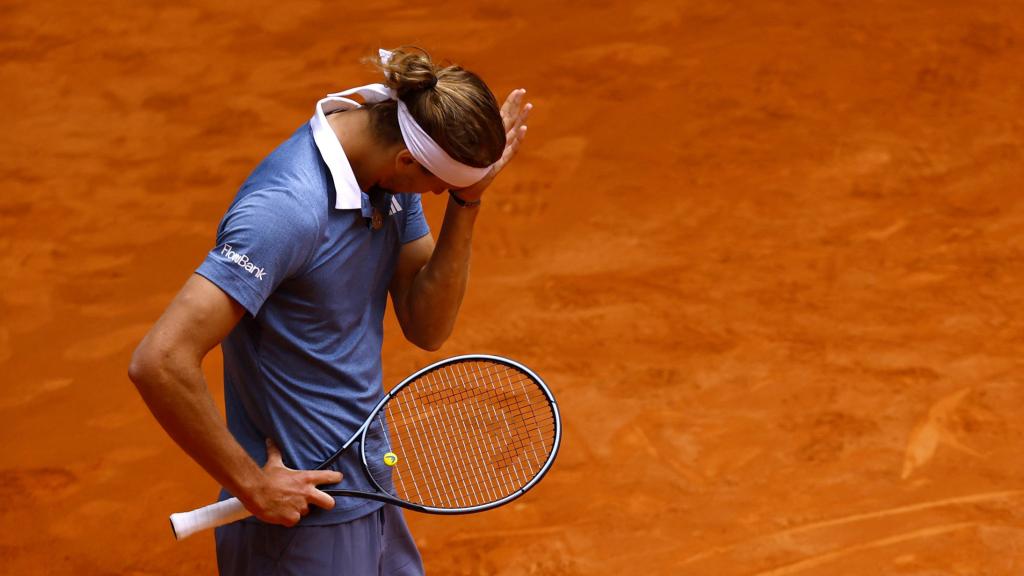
(185, 524)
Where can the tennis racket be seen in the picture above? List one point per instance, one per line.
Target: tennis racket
(463, 435)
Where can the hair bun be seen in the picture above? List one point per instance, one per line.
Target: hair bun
(409, 70)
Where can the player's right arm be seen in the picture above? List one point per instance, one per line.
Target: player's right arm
(167, 370)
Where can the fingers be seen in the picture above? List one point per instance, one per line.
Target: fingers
(296, 501)
(513, 141)
(322, 499)
(317, 497)
(287, 495)
(514, 114)
(512, 109)
(519, 121)
(317, 477)
(508, 106)
(517, 141)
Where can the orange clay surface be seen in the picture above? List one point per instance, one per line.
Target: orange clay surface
(767, 254)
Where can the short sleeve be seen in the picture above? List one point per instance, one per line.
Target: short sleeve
(265, 237)
(415, 225)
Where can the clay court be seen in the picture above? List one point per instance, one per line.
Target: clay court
(768, 255)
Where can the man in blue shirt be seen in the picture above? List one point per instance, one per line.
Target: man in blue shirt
(319, 235)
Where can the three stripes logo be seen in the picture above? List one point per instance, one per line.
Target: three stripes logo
(376, 221)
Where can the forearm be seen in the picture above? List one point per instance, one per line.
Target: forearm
(175, 391)
(167, 370)
(437, 290)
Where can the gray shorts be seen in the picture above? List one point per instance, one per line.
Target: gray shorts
(376, 544)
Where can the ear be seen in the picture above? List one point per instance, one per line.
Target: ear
(404, 160)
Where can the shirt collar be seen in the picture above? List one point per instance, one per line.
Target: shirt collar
(349, 195)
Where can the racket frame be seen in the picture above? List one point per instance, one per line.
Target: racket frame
(383, 496)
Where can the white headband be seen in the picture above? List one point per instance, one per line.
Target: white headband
(420, 144)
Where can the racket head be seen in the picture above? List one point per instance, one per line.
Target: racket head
(462, 435)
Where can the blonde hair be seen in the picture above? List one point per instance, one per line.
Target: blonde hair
(453, 105)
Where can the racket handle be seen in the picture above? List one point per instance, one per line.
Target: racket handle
(185, 524)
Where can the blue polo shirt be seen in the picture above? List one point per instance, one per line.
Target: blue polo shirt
(303, 366)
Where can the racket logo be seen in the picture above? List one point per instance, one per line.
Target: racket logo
(391, 458)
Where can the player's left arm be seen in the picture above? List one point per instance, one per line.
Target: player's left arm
(430, 279)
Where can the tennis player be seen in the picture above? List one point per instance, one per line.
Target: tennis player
(295, 291)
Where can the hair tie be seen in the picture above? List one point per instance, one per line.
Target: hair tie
(430, 83)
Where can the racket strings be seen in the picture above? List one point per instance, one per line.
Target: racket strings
(468, 434)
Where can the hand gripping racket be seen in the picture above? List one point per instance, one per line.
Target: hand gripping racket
(465, 434)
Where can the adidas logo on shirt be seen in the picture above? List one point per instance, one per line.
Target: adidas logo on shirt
(395, 206)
